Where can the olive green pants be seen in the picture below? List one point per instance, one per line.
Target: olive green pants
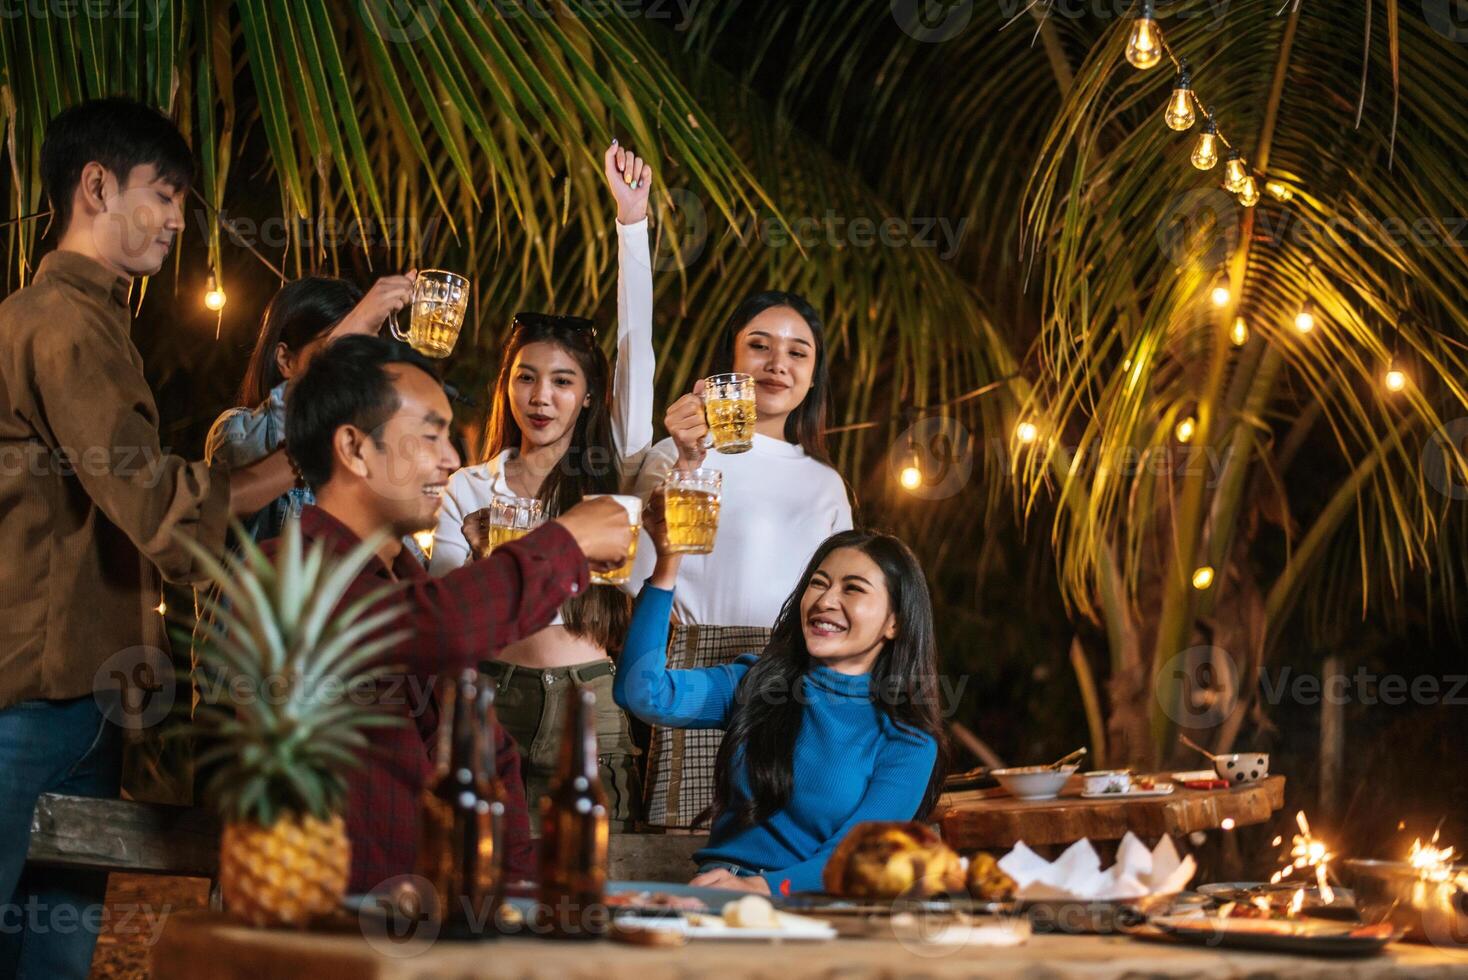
(533, 705)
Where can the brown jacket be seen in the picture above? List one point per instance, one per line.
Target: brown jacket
(89, 503)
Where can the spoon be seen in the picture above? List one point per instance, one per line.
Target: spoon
(1194, 745)
(1071, 757)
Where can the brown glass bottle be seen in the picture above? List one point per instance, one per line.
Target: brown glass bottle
(462, 810)
(573, 834)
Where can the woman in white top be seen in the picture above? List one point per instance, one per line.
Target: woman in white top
(560, 429)
(780, 501)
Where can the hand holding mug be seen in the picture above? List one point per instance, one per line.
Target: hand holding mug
(689, 427)
(601, 530)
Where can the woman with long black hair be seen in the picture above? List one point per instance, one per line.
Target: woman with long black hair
(836, 722)
(781, 499)
(563, 426)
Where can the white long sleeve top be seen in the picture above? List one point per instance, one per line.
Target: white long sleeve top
(473, 487)
(778, 505)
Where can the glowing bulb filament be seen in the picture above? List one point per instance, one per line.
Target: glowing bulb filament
(214, 297)
(1249, 196)
(1180, 115)
(1281, 192)
(1239, 334)
(1205, 154)
(1026, 432)
(1203, 578)
(1305, 319)
(1395, 379)
(1234, 174)
(1221, 296)
(1185, 429)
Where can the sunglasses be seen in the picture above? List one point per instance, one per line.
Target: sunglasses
(555, 320)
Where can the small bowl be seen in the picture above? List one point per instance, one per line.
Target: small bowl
(1242, 768)
(1108, 780)
(1033, 782)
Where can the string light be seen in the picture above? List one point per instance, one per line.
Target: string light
(1305, 319)
(1222, 294)
(912, 475)
(214, 297)
(1239, 333)
(1203, 578)
(1180, 115)
(1205, 154)
(1396, 379)
(1185, 429)
(1234, 173)
(1249, 196)
(1144, 47)
(1026, 432)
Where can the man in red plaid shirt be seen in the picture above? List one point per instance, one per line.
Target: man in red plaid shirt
(367, 424)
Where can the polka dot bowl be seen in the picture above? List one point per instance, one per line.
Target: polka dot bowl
(1242, 768)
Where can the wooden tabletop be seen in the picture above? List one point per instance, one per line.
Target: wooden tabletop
(991, 818)
(200, 944)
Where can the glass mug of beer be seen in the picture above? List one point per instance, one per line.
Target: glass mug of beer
(728, 403)
(436, 315)
(510, 518)
(623, 573)
(691, 509)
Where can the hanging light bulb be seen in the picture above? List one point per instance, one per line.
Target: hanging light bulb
(1280, 192)
(1144, 47)
(1234, 173)
(1396, 378)
(1239, 333)
(1221, 294)
(1026, 432)
(1185, 429)
(1180, 115)
(1203, 577)
(214, 297)
(1305, 319)
(1249, 196)
(911, 477)
(1205, 154)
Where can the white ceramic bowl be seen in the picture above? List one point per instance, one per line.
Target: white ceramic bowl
(1033, 782)
(1242, 767)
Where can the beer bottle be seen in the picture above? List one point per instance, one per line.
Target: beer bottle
(462, 810)
(573, 833)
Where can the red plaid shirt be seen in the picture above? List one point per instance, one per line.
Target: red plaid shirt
(453, 622)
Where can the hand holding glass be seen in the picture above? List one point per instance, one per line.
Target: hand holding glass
(439, 302)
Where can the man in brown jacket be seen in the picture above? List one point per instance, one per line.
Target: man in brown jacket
(90, 504)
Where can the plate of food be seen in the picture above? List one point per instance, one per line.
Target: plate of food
(1258, 899)
(1140, 786)
(1310, 936)
(751, 917)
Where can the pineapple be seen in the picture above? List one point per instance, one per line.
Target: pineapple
(275, 743)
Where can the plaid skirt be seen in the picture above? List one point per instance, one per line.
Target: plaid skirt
(680, 761)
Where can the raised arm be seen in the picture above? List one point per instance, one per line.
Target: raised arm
(894, 792)
(630, 179)
(675, 698)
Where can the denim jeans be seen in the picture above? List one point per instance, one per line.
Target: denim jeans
(49, 917)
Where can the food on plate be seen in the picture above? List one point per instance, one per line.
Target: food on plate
(987, 882)
(883, 859)
(655, 900)
(751, 912)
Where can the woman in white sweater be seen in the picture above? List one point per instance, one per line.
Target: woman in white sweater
(781, 499)
(562, 426)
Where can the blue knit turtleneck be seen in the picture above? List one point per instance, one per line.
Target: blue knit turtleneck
(852, 764)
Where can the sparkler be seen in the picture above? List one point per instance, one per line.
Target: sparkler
(1307, 851)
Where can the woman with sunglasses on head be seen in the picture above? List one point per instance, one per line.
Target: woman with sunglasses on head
(303, 317)
(835, 723)
(780, 500)
(562, 427)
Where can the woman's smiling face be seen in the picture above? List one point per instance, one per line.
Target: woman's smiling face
(778, 349)
(846, 612)
(548, 390)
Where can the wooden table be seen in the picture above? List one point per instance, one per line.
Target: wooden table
(991, 818)
(202, 944)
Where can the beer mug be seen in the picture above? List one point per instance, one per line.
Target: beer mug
(728, 403)
(437, 309)
(511, 518)
(691, 509)
(623, 573)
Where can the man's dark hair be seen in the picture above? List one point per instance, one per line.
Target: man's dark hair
(119, 134)
(346, 384)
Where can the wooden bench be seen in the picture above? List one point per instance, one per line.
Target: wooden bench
(153, 838)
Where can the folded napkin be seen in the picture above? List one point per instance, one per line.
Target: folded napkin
(1077, 873)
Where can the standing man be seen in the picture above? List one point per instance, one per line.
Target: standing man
(89, 503)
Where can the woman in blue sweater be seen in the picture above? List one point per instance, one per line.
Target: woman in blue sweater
(836, 723)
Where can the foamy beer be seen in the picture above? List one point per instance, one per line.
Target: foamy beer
(511, 518)
(691, 508)
(438, 304)
(622, 574)
(728, 403)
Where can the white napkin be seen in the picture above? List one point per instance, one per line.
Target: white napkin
(1077, 873)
